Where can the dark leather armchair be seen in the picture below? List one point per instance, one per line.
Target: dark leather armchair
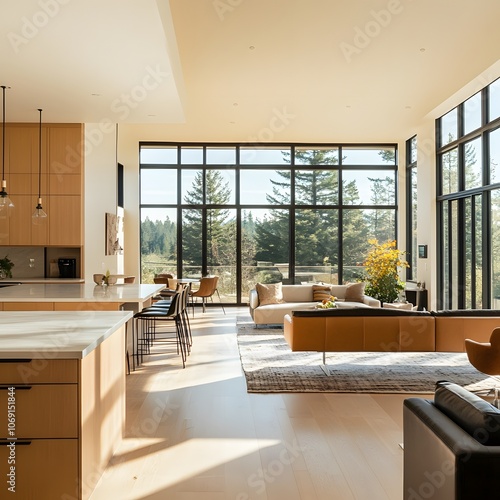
(451, 446)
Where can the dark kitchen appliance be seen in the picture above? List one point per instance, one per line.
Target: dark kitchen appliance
(67, 268)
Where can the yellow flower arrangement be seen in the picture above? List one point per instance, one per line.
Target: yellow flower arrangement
(328, 303)
(382, 267)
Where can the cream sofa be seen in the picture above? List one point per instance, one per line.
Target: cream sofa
(296, 297)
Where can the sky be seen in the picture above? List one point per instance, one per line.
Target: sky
(159, 186)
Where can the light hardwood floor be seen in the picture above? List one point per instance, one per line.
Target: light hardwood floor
(196, 434)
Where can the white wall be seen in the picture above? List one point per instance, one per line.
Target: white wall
(426, 207)
(128, 155)
(100, 197)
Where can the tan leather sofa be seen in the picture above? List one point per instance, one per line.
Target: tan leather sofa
(374, 329)
(453, 327)
(378, 329)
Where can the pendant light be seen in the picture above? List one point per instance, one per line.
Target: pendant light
(39, 215)
(6, 204)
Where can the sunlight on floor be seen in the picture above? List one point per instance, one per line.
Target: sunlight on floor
(185, 460)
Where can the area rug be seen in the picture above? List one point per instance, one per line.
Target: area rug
(270, 366)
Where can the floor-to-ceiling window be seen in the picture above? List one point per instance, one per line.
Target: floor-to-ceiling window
(411, 208)
(468, 182)
(255, 213)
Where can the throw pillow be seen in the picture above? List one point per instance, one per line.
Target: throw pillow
(475, 415)
(355, 292)
(321, 292)
(269, 293)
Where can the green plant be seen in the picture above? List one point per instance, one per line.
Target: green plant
(382, 266)
(6, 266)
(105, 278)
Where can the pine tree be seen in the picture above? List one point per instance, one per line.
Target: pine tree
(220, 225)
(316, 233)
(354, 232)
(381, 221)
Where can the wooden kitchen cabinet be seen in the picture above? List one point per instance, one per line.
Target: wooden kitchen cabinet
(65, 224)
(45, 469)
(65, 185)
(70, 418)
(65, 148)
(61, 184)
(60, 422)
(21, 148)
(20, 220)
(28, 306)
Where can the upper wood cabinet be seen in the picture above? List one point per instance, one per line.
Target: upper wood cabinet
(21, 149)
(61, 184)
(65, 149)
(65, 185)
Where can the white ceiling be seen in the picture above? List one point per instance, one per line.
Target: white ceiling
(256, 70)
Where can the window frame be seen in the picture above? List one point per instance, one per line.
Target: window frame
(390, 168)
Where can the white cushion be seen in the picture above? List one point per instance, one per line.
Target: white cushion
(297, 293)
(274, 314)
(339, 291)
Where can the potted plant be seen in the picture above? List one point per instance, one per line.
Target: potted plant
(6, 266)
(382, 266)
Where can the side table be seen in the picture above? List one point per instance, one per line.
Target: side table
(417, 297)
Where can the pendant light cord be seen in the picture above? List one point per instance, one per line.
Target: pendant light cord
(40, 157)
(3, 132)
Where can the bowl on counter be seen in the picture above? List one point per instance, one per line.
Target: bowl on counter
(112, 279)
(98, 278)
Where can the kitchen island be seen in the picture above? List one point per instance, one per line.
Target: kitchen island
(76, 297)
(62, 400)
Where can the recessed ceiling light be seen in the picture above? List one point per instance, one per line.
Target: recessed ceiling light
(252, 47)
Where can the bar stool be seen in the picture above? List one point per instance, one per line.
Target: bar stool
(183, 289)
(147, 333)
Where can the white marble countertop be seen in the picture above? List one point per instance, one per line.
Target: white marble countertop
(15, 281)
(56, 335)
(74, 292)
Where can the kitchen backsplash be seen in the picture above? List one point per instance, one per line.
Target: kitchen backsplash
(29, 262)
(35, 262)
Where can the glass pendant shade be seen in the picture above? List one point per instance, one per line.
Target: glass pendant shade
(39, 215)
(6, 204)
